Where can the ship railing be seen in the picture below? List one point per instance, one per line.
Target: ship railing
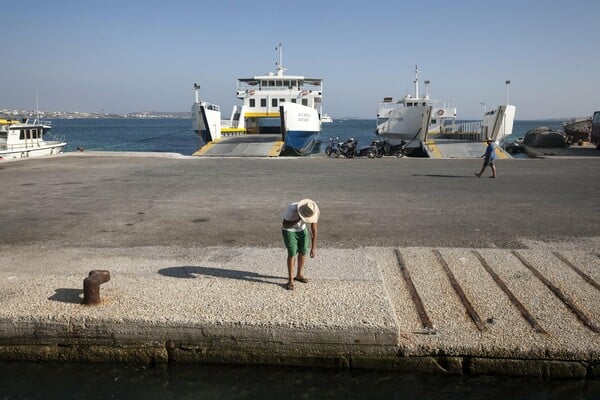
(462, 131)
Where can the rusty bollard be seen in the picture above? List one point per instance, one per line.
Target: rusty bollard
(91, 286)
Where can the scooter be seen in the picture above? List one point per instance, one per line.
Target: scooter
(349, 148)
(333, 148)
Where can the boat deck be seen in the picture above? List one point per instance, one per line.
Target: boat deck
(261, 145)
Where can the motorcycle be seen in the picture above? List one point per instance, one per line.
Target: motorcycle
(348, 148)
(377, 149)
(333, 148)
(381, 148)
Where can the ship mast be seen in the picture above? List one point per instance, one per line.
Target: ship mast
(280, 68)
(416, 82)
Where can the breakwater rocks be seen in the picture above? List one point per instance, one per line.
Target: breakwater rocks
(452, 310)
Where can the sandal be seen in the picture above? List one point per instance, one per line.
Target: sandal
(301, 279)
(289, 286)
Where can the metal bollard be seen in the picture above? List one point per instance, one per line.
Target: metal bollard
(91, 286)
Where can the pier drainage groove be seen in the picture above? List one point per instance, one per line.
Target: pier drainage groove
(558, 293)
(413, 292)
(519, 306)
(585, 276)
(461, 294)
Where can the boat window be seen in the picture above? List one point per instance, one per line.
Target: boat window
(293, 100)
(424, 103)
(408, 104)
(286, 83)
(252, 103)
(273, 102)
(22, 134)
(305, 102)
(596, 118)
(433, 121)
(278, 83)
(271, 83)
(294, 83)
(263, 83)
(281, 100)
(263, 102)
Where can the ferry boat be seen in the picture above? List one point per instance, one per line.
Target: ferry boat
(271, 104)
(401, 120)
(326, 118)
(23, 139)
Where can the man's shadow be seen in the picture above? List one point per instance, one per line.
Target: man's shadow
(192, 272)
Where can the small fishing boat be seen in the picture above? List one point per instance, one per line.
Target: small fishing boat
(24, 139)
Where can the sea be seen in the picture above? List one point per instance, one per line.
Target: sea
(33, 380)
(177, 136)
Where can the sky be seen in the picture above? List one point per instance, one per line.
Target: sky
(129, 56)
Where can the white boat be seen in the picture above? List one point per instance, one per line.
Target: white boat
(326, 119)
(406, 120)
(400, 120)
(274, 103)
(23, 139)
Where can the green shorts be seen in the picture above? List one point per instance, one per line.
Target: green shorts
(296, 242)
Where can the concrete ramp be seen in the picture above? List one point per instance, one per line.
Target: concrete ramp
(449, 148)
(260, 145)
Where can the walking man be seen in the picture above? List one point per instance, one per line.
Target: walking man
(490, 156)
(296, 237)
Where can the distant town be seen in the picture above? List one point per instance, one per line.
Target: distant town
(10, 113)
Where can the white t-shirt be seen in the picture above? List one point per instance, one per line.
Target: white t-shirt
(291, 214)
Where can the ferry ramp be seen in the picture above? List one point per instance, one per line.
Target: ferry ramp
(463, 149)
(253, 145)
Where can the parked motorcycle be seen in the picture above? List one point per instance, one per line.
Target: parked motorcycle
(349, 148)
(333, 148)
(380, 148)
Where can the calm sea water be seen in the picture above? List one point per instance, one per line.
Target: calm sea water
(82, 381)
(25, 380)
(176, 135)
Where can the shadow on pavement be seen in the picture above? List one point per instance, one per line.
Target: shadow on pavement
(189, 272)
(73, 296)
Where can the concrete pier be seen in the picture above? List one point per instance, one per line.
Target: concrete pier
(421, 266)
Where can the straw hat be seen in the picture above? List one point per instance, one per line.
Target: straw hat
(489, 139)
(308, 211)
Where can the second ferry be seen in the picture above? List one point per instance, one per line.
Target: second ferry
(286, 105)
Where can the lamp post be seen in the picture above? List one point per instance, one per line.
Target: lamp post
(507, 83)
(484, 104)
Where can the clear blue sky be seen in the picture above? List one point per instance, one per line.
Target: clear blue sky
(129, 55)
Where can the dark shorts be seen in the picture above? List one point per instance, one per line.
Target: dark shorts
(296, 242)
(487, 162)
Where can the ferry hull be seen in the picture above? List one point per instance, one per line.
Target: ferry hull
(405, 124)
(300, 127)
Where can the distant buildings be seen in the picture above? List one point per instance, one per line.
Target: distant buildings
(10, 113)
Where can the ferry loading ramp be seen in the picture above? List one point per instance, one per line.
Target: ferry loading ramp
(251, 145)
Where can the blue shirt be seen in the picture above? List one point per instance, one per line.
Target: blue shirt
(490, 151)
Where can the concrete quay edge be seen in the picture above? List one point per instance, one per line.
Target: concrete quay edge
(129, 325)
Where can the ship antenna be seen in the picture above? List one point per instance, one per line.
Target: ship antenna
(280, 68)
(416, 81)
(37, 108)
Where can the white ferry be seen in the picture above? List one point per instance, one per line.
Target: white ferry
(23, 139)
(271, 104)
(403, 120)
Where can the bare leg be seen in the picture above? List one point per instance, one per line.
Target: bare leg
(493, 171)
(290, 265)
(301, 259)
